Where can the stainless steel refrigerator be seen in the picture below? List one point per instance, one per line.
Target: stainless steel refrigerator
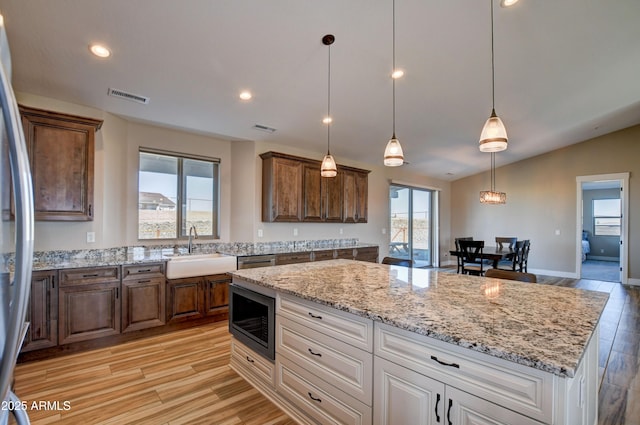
(16, 237)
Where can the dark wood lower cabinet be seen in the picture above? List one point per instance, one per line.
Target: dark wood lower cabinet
(42, 313)
(185, 299)
(143, 297)
(89, 311)
(216, 292)
(196, 297)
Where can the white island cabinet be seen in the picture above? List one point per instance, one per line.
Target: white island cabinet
(361, 343)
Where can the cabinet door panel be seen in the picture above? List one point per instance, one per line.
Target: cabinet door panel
(404, 397)
(89, 311)
(311, 193)
(216, 295)
(143, 304)
(185, 299)
(470, 410)
(42, 313)
(61, 154)
(332, 198)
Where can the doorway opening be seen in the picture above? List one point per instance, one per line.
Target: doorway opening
(602, 227)
(413, 219)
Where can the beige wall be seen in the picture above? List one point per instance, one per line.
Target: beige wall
(115, 194)
(541, 198)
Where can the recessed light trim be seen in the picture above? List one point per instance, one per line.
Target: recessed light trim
(397, 73)
(327, 120)
(245, 95)
(100, 50)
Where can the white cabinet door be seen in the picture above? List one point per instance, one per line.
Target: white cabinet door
(464, 409)
(404, 397)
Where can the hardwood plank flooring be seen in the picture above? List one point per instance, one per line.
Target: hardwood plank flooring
(183, 377)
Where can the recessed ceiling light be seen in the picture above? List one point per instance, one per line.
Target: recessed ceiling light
(327, 120)
(245, 95)
(507, 3)
(100, 50)
(397, 74)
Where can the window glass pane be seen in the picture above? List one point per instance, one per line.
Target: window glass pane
(606, 207)
(399, 235)
(606, 217)
(421, 224)
(199, 202)
(157, 196)
(607, 226)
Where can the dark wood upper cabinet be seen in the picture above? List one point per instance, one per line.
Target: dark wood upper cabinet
(281, 188)
(294, 191)
(61, 154)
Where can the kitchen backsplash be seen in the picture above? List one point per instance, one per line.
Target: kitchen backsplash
(144, 251)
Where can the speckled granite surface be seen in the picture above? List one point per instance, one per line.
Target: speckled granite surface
(65, 259)
(541, 326)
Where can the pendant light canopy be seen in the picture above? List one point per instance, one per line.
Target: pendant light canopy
(393, 155)
(328, 167)
(494, 135)
(491, 196)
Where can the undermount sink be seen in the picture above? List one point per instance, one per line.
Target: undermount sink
(199, 265)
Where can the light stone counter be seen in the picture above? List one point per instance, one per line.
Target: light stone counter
(541, 326)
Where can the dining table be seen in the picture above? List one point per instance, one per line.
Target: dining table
(491, 253)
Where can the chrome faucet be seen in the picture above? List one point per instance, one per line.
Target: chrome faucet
(195, 236)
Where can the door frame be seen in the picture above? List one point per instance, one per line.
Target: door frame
(623, 179)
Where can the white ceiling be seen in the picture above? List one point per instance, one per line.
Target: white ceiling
(566, 70)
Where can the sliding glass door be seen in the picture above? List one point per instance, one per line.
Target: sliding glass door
(411, 224)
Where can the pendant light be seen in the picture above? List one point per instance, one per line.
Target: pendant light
(494, 135)
(328, 167)
(491, 196)
(393, 155)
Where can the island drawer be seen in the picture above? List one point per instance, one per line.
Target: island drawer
(346, 367)
(346, 327)
(523, 389)
(319, 400)
(252, 363)
(293, 258)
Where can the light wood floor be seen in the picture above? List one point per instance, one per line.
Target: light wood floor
(183, 377)
(177, 378)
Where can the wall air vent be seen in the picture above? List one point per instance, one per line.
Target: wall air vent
(264, 128)
(128, 96)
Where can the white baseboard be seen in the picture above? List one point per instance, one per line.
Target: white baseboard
(633, 282)
(570, 275)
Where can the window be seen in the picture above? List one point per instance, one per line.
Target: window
(176, 192)
(606, 217)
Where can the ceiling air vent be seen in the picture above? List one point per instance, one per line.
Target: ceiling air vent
(264, 128)
(128, 96)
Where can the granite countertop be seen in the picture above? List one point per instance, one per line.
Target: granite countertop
(541, 326)
(50, 260)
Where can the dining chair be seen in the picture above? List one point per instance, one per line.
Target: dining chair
(472, 262)
(459, 257)
(511, 275)
(524, 258)
(513, 263)
(405, 262)
(502, 241)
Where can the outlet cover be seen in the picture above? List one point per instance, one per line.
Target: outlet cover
(91, 237)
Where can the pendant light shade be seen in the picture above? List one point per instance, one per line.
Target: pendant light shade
(491, 196)
(328, 167)
(494, 134)
(393, 155)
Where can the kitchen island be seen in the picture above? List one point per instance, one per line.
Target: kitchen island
(368, 343)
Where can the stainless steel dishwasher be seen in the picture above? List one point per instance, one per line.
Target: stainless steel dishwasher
(253, 261)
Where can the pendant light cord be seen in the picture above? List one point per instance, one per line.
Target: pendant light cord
(393, 70)
(493, 76)
(329, 103)
(493, 171)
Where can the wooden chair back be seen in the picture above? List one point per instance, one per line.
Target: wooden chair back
(524, 257)
(502, 242)
(472, 257)
(459, 257)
